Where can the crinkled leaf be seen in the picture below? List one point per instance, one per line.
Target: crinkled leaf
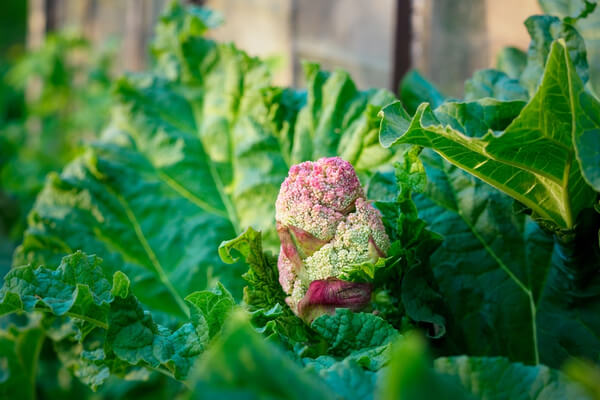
(133, 336)
(120, 332)
(544, 30)
(415, 89)
(211, 307)
(264, 296)
(586, 18)
(493, 83)
(365, 337)
(510, 287)
(511, 61)
(410, 177)
(76, 287)
(501, 144)
(264, 290)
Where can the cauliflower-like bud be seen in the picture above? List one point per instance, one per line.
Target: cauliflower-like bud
(326, 227)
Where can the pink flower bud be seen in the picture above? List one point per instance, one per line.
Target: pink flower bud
(324, 296)
(325, 226)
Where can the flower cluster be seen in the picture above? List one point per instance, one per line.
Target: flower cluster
(326, 226)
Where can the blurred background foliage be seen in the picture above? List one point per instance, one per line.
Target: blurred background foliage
(52, 99)
(13, 28)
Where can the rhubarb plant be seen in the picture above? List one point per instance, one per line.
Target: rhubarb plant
(229, 238)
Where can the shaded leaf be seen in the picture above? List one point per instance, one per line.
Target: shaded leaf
(240, 364)
(411, 376)
(544, 30)
(511, 288)
(19, 351)
(415, 89)
(496, 84)
(347, 332)
(511, 61)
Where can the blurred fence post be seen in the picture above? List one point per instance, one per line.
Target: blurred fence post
(131, 21)
(36, 23)
(450, 41)
(453, 38)
(376, 41)
(402, 42)
(133, 39)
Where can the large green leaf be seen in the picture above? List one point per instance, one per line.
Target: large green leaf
(512, 289)
(346, 331)
(526, 153)
(585, 16)
(114, 331)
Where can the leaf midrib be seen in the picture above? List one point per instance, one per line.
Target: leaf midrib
(501, 264)
(175, 185)
(534, 206)
(469, 143)
(565, 183)
(148, 250)
(478, 145)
